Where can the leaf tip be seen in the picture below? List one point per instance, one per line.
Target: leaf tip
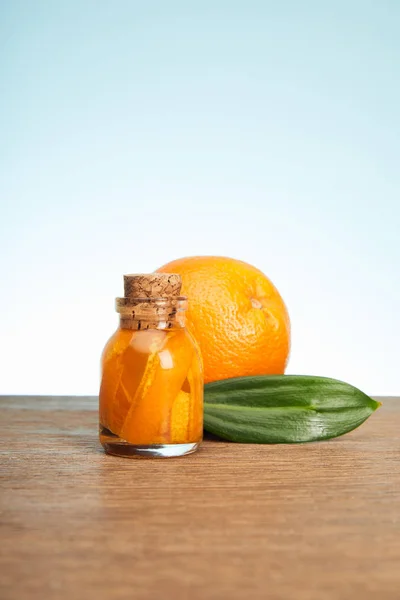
(377, 404)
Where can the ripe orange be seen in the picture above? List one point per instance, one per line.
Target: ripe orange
(236, 315)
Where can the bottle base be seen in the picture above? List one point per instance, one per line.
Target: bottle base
(116, 446)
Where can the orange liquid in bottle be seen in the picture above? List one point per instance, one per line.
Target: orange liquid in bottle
(151, 389)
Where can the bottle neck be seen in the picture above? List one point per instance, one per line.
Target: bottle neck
(144, 324)
(151, 313)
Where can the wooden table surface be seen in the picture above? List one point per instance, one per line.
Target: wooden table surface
(315, 521)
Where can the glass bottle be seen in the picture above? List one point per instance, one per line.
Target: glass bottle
(151, 392)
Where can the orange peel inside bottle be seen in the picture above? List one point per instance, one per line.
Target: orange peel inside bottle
(148, 420)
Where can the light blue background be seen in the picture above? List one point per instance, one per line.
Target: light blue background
(133, 133)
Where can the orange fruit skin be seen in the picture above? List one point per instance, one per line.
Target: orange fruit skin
(236, 315)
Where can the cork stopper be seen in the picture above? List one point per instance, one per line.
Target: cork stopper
(151, 301)
(153, 285)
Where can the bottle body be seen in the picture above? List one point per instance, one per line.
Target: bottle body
(151, 393)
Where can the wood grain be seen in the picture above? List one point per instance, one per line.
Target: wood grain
(311, 522)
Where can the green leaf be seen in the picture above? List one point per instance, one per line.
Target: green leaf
(282, 409)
